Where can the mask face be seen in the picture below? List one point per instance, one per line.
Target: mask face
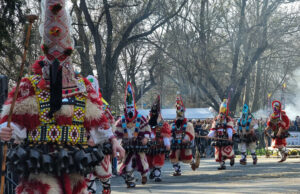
(153, 120)
(276, 109)
(245, 109)
(179, 122)
(179, 111)
(130, 112)
(221, 117)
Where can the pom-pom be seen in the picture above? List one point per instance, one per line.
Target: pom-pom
(38, 65)
(55, 8)
(42, 84)
(68, 51)
(55, 31)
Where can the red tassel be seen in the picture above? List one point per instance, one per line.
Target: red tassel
(36, 67)
(23, 120)
(79, 187)
(67, 184)
(101, 122)
(42, 84)
(32, 187)
(63, 120)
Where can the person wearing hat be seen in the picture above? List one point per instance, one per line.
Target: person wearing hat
(135, 132)
(54, 114)
(246, 135)
(181, 140)
(279, 123)
(221, 133)
(160, 139)
(103, 171)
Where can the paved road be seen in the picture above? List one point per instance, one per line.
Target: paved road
(267, 176)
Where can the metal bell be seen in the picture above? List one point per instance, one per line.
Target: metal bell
(47, 163)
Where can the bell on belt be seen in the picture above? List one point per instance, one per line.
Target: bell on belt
(79, 157)
(34, 157)
(94, 159)
(47, 163)
(21, 169)
(63, 159)
(107, 148)
(72, 166)
(21, 153)
(29, 166)
(89, 160)
(12, 156)
(98, 153)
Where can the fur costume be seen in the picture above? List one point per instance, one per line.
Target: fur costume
(133, 127)
(184, 155)
(56, 107)
(160, 139)
(222, 129)
(104, 170)
(144, 131)
(182, 136)
(247, 137)
(279, 121)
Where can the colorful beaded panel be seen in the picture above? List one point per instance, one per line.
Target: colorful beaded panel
(137, 125)
(178, 133)
(49, 131)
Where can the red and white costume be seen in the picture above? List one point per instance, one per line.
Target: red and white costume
(133, 126)
(157, 161)
(104, 170)
(38, 110)
(222, 131)
(279, 122)
(222, 152)
(160, 138)
(181, 140)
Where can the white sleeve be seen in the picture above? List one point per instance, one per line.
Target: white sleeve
(186, 137)
(255, 126)
(100, 135)
(19, 133)
(211, 133)
(147, 136)
(167, 141)
(229, 132)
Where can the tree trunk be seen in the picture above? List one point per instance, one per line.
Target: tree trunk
(238, 44)
(83, 44)
(247, 92)
(256, 100)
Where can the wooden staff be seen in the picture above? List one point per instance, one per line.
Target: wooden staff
(31, 19)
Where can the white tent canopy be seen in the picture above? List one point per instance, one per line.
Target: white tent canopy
(190, 113)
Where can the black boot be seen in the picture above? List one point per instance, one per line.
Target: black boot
(231, 162)
(283, 154)
(151, 175)
(157, 175)
(222, 166)
(144, 179)
(254, 157)
(243, 161)
(129, 179)
(177, 170)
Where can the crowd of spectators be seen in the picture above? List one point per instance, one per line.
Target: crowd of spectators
(202, 127)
